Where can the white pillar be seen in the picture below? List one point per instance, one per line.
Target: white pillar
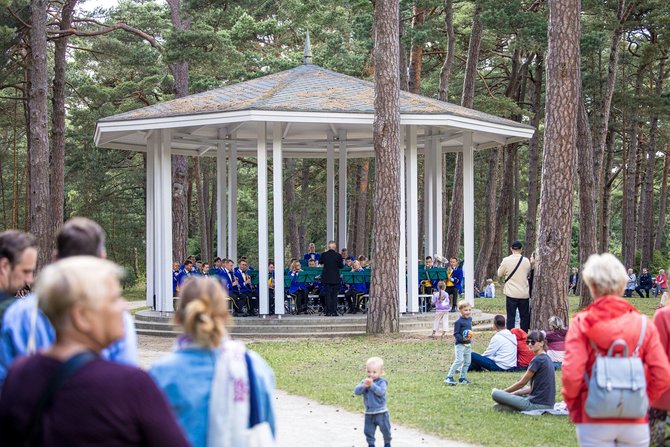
(221, 198)
(232, 200)
(162, 193)
(342, 191)
(330, 190)
(263, 230)
(278, 213)
(402, 254)
(428, 216)
(150, 211)
(412, 222)
(468, 217)
(437, 197)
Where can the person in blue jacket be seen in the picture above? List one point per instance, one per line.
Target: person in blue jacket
(454, 282)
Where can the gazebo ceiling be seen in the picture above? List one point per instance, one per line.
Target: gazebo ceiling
(313, 104)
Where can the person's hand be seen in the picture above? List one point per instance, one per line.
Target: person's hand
(367, 382)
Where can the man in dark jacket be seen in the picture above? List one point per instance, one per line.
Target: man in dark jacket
(330, 277)
(646, 283)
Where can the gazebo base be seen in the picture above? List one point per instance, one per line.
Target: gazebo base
(149, 322)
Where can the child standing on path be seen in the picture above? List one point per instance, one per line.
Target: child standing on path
(442, 307)
(373, 389)
(463, 351)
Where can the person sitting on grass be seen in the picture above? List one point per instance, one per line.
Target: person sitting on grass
(556, 340)
(542, 391)
(442, 307)
(462, 343)
(500, 355)
(373, 390)
(523, 353)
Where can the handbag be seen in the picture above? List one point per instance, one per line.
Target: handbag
(617, 388)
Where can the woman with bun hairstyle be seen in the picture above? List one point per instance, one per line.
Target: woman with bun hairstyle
(220, 392)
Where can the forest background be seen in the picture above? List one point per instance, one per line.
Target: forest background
(109, 60)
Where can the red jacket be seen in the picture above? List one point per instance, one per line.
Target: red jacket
(523, 353)
(662, 323)
(607, 319)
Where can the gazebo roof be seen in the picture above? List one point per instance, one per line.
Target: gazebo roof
(315, 101)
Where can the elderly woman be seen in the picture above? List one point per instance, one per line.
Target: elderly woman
(217, 388)
(609, 318)
(67, 394)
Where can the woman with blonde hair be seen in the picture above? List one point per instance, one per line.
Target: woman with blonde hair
(220, 391)
(67, 394)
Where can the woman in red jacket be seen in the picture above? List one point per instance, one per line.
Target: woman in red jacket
(607, 319)
(661, 406)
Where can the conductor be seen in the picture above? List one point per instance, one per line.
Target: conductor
(330, 277)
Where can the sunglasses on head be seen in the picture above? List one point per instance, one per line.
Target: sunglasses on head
(531, 342)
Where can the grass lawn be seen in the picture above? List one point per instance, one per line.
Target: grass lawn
(328, 371)
(136, 293)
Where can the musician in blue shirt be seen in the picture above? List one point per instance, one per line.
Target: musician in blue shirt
(246, 291)
(356, 290)
(312, 253)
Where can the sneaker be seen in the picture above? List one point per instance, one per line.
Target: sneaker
(450, 381)
(464, 381)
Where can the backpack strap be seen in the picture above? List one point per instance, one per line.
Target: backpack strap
(641, 339)
(515, 269)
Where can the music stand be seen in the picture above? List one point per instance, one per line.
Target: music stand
(437, 274)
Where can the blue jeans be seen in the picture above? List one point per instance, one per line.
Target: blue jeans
(381, 420)
(462, 361)
(481, 363)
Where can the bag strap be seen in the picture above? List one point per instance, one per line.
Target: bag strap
(64, 372)
(515, 269)
(641, 339)
(643, 330)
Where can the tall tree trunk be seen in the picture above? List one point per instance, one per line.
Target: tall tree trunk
(533, 156)
(562, 106)
(58, 121)
(445, 71)
(180, 206)
(404, 80)
(383, 316)
(513, 197)
(362, 207)
(606, 205)
(290, 204)
(304, 194)
(202, 213)
(416, 55)
(647, 211)
(40, 217)
(211, 216)
(587, 198)
(487, 238)
(455, 225)
(629, 198)
(662, 202)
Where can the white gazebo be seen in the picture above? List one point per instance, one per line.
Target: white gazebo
(303, 112)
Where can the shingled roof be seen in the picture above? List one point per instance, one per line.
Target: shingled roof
(306, 88)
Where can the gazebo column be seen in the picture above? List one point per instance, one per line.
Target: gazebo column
(468, 217)
(412, 221)
(330, 190)
(263, 229)
(221, 198)
(342, 191)
(278, 217)
(232, 199)
(150, 211)
(437, 197)
(428, 216)
(402, 253)
(159, 163)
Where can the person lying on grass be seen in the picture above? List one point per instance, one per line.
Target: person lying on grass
(542, 391)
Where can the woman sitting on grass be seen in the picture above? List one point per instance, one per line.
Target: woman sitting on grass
(542, 391)
(556, 341)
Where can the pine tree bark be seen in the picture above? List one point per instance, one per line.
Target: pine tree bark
(40, 216)
(416, 55)
(202, 213)
(606, 203)
(455, 225)
(647, 198)
(290, 204)
(487, 238)
(58, 120)
(555, 228)
(362, 208)
(662, 202)
(534, 155)
(180, 73)
(629, 198)
(402, 69)
(383, 316)
(304, 194)
(445, 71)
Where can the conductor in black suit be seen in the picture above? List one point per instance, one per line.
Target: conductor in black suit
(330, 277)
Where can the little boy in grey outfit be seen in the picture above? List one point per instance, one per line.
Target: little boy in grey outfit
(373, 389)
